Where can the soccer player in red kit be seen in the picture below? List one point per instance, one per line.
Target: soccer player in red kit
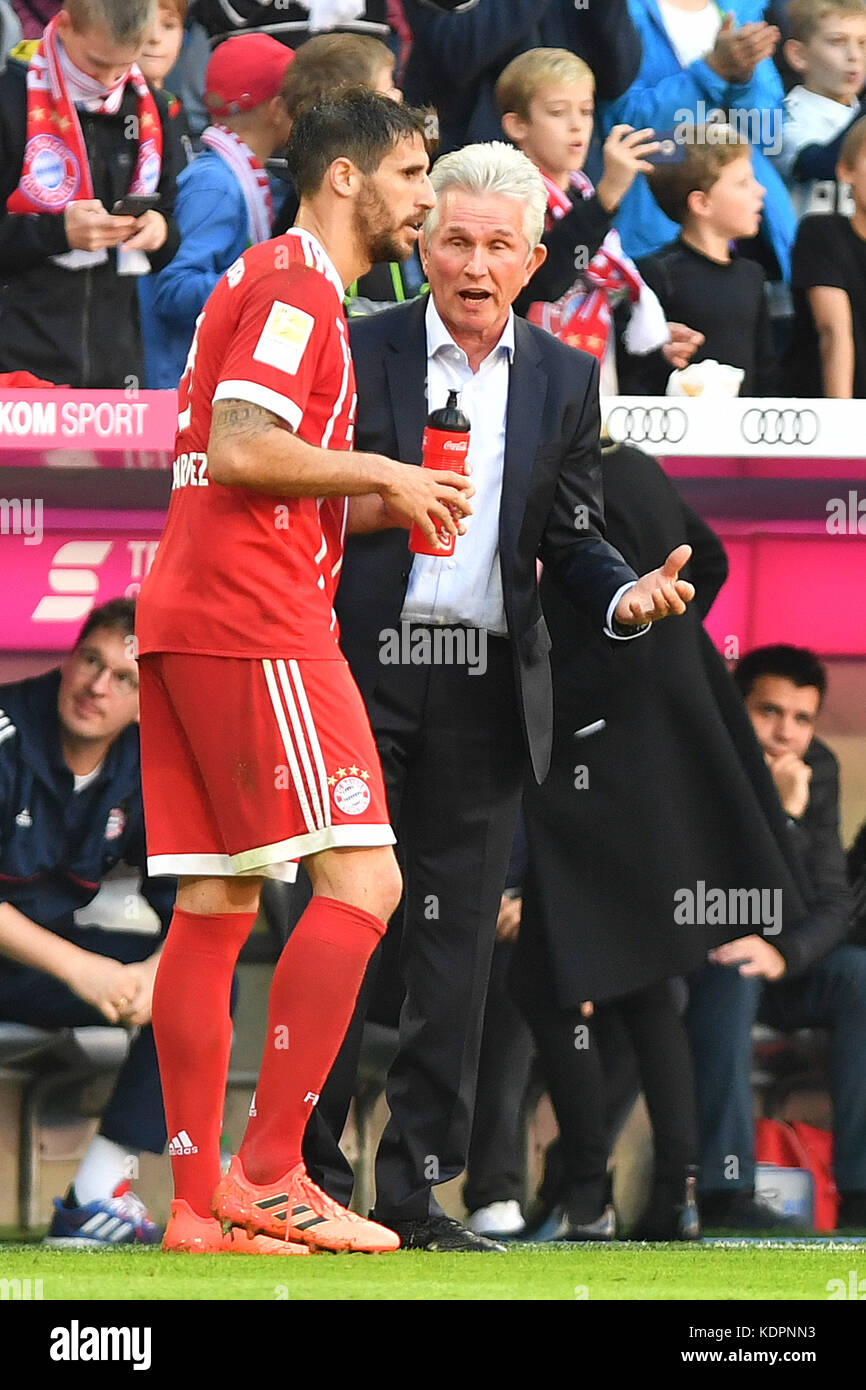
(256, 749)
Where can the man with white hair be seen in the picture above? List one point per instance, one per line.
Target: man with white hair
(451, 653)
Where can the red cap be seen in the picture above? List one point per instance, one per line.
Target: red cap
(243, 72)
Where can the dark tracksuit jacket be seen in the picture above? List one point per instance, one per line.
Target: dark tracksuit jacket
(56, 846)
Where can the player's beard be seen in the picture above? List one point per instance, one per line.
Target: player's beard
(374, 228)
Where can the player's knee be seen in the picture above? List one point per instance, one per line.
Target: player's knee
(389, 890)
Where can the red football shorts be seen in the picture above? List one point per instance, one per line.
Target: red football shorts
(248, 764)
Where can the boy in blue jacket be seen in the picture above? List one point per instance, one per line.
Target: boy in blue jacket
(695, 63)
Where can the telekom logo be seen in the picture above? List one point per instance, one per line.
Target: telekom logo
(73, 582)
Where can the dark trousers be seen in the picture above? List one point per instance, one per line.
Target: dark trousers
(722, 1012)
(134, 1116)
(582, 1060)
(452, 753)
(496, 1170)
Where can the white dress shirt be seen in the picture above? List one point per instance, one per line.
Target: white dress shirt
(466, 588)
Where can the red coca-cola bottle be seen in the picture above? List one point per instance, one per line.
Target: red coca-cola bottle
(445, 445)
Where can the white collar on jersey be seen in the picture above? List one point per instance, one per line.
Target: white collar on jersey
(317, 257)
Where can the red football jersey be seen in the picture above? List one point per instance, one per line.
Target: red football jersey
(237, 572)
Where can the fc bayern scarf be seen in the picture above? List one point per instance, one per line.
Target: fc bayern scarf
(250, 174)
(582, 316)
(56, 170)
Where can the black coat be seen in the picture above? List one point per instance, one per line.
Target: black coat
(551, 474)
(676, 789)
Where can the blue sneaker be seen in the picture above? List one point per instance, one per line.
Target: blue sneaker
(120, 1219)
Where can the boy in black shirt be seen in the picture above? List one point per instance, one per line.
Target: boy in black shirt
(713, 193)
(827, 356)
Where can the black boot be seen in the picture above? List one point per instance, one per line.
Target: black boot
(599, 1226)
(672, 1213)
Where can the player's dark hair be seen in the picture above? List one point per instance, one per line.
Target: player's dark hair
(118, 615)
(795, 664)
(358, 124)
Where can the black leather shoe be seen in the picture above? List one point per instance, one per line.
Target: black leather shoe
(672, 1213)
(603, 1228)
(440, 1233)
(852, 1212)
(743, 1211)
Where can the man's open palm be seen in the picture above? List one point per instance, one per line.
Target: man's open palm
(658, 594)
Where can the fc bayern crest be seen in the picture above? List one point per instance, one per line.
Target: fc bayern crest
(116, 823)
(149, 166)
(350, 791)
(51, 175)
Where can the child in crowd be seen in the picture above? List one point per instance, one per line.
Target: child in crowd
(827, 356)
(546, 99)
(827, 49)
(164, 42)
(224, 201)
(712, 192)
(324, 65)
(159, 55)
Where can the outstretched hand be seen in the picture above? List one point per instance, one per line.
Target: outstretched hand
(657, 594)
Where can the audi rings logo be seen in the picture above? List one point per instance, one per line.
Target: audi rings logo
(786, 426)
(647, 424)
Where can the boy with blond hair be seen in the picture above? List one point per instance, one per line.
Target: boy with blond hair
(713, 194)
(546, 99)
(827, 356)
(827, 49)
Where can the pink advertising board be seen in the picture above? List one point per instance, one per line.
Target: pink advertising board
(55, 572)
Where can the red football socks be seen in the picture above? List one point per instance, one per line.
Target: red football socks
(313, 994)
(193, 1033)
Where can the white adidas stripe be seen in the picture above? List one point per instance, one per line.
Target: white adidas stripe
(347, 364)
(287, 744)
(300, 742)
(7, 733)
(312, 735)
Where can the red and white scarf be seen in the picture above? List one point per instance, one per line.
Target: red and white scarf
(250, 174)
(56, 170)
(582, 316)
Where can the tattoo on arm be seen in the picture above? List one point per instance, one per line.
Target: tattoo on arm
(242, 421)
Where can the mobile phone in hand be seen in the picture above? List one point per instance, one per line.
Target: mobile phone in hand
(136, 204)
(670, 151)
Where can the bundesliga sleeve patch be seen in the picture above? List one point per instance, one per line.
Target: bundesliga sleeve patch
(284, 338)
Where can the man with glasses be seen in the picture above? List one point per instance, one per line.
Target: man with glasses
(80, 922)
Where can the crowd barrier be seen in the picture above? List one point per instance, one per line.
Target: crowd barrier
(85, 478)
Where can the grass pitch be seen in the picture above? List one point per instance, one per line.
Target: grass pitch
(553, 1272)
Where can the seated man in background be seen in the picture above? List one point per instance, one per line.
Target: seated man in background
(76, 947)
(804, 977)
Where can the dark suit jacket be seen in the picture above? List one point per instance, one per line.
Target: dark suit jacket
(552, 472)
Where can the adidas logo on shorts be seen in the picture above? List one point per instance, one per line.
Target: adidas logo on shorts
(182, 1144)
